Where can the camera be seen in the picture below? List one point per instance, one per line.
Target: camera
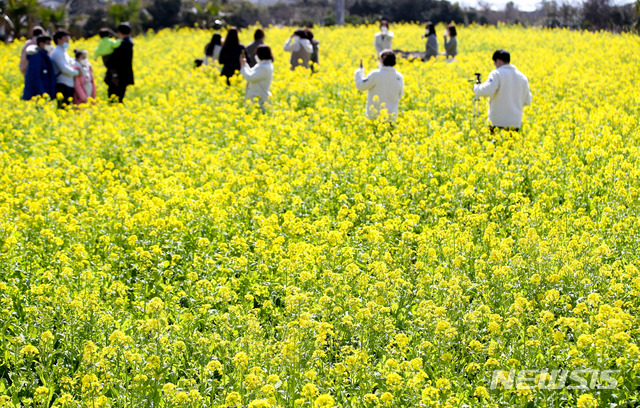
(477, 80)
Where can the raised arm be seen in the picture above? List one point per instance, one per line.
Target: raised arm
(363, 83)
(489, 87)
(254, 75)
(291, 47)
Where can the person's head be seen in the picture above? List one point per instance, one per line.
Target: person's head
(216, 39)
(124, 30)
(384, 25)
(501, 57)
(37, 31)
(309, 34)
(44, 42)
(105, 32)
(388, 58)
(232, 37)
(81, 55)
(258, 34)
(451, 29)
(300, 33)
(263, 52)
(430, 28)
(61, 38)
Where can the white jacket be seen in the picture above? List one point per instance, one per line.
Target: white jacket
(387, 84)
(508, 91)
(300, 49)
(63, 67)
(258, 80)
(383, 41)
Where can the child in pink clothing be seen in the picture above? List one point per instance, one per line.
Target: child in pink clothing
(85, 86)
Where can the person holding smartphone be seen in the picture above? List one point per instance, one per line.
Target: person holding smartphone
(384, 86)
(259, 76)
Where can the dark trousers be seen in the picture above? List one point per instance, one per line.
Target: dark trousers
(509, 128)
(116, 91)
(67, 93)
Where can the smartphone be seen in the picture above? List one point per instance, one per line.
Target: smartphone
(360, 62)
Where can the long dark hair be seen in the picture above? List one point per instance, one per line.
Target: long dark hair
(215, 40)
(431, 29)
(231, 41)
(452, 30)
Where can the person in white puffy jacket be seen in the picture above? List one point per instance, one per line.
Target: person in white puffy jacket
(508, 91)
(384, 38)
(384, 86)
(300, 48)
(259, 76)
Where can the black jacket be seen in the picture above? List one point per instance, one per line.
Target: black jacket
(121, 63)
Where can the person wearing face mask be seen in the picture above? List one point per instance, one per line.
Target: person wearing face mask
(432, 42)
(384, 38)
(39, 79)
(37, 32)
(63, 67)
(508, 92)
(451, 43)
(85, 86)
(384, 86)
(300, 48)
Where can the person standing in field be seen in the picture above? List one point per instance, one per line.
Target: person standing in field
(259, 76)
(63, 68)
(107, 45)
(451, 43)
(85, 86)
(120, 65)
(508, 92)
(300, 48)
(432, 42)
(258, 40)
(384, 86)
(40, 79)
(230, 54)
(315, 49)
(37, 32)
(384, 38)
(212, 49)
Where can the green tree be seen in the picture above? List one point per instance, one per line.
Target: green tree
(23, 13)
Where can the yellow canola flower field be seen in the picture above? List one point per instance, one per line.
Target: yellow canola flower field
(186, 250)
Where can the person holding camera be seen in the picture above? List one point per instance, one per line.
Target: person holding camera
(300, 48)
(384, 38)
(384, 86)
(432, 41)
(508, 92)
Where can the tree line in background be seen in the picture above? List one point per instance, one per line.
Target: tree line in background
(85, 17)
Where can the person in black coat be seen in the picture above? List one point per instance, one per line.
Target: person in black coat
(39, 79)
(120, 65)
(230, 54)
